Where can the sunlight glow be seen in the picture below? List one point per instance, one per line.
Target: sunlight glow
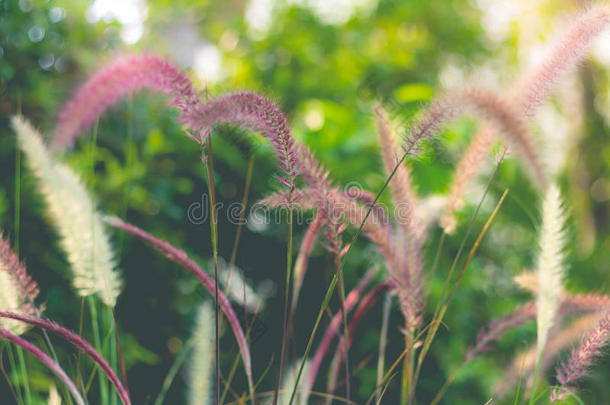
(130, 13)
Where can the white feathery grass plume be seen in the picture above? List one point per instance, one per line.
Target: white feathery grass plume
(202, 361)
(9, 300)
(234, 284)
(288, 380)
(73, 213)
(54, 397)
(550, 266)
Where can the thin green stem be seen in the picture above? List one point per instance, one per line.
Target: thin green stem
(240, 225)
(536, 372)
(24, 375)
(112, 349)
(214, 238)
(333, 282)
(519, 383)
(173, 370)
(236, 362)
(345, 331)
(17, 226)
(473, 249)
(441, 306)
(98, 346)
(407, 368)
(383, 339)
(10, 378)
(286, 299)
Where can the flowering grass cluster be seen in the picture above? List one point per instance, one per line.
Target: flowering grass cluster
(339, 218)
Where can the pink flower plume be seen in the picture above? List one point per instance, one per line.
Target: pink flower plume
(117, 80)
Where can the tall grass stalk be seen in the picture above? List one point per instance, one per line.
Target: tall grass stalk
(91, 302)
(12, 379)
(443, 302)
(209, 165)
(173, 370)
(240, 225)
(25, 381)
(46, 360)
(333, 282)
(16, 229)
(287, 299)
(383, 338)
(97, 343)
(345, 330)
(236, 362)
(112, 349)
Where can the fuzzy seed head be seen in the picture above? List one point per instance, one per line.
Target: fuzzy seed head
(550, 266)
(72, 211)
(202, 360)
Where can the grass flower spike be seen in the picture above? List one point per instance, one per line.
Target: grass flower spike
(527, 95)
(550, 267)
(202, 361)
(116, 81)
(73, 212)
(583, 356)
(17, 290)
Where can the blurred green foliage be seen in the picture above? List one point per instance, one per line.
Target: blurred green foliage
(325, 76)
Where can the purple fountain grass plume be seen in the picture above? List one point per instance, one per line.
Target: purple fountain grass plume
(333, 327)
(375, 228)
(583, 356)
(300, 265)
(486, 106)
(524, 364)
(333, 224)
(367, 302)
(408, 243)
(325, 202)
(183, 260)
(46, 360)
(18, 291)
(352, 203)
(528, 94)
(535, 86)
(315, 174)
(135, 73)
(466, 169)
(117, 80)
(568, 305)
(499, 327)
(490, 108)
(257, 113)
(78, 342)
(403, 193)
(332, 204)
(367, 199)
